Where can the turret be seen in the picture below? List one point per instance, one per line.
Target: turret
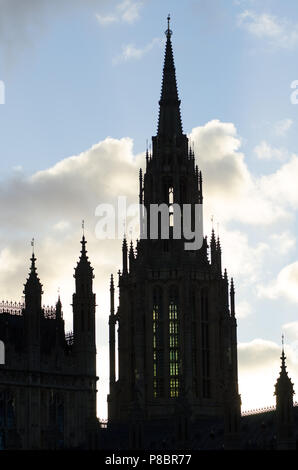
(232, 298)
(218, 251)
(284, 392)
(33, 288)
(213, 251)
(33, 313)
(131, 256)
(124, 256)
(112, 322)
(84, 313)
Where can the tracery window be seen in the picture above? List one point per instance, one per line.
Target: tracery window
(173, 342)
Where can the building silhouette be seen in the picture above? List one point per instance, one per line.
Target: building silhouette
(177, 340)
(172, 338)
(48, 381)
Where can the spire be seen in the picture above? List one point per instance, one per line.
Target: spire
(284, 392)
(213, 246)
(131, 255)
(112, 294)
(232, 298)
(283, 382)
(58, 308)
(124, 255)
(33, 281)
(169, 122)
(83, 266)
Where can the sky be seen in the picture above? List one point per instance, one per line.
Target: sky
(82, 83)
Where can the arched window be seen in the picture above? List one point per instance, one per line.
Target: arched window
(171, 209)
(158, 349)
(2, 353)
(174, 342)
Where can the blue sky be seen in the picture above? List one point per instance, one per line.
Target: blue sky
(64, 89)
(77, 72)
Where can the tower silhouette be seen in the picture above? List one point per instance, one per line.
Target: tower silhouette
(177, 343)
(284, 392)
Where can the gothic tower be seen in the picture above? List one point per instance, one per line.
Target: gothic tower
(284, 392)
(177, 344)
(33, 314)
(84, 336)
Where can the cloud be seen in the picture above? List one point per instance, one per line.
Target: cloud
(243, 309)
(279, 32)
(291, 331)
(242, 259)
(283, 242)
(231, 190)
(127, 11)
(50, 205)
(259, 363)
(131, 52)
(265, 151)
(281, 127)
(281, 187)
(106, 20)
(285, 285)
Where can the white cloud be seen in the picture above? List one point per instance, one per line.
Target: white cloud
(130, 10)
(242, 259)
(277, 31)
(285, 285)
(127, 11)
(265, 151)
(281, 187)
(243, 309)
(131, 52)
(291, 331)
(282, 242)
(281, 127)
(231, 190)
(106, 20)
(259, 363)
(50, 205)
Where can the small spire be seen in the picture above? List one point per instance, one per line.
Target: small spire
(112, 293)
(84, 265)
(32, 244)
(33, 281)
(131, 250)
(169, 121)
(83, 226)
(168, 32)
(283, 382)
(232, 298)
(124, 255)
(283, 357)
(58, 306)
(213, 239)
